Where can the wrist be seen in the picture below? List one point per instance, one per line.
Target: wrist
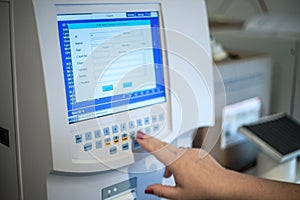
(233, 185)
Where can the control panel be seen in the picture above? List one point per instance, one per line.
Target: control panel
(111, 140)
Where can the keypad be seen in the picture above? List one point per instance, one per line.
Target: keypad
(118, 137)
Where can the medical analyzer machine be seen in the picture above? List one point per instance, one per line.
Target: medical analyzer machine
(80, 78)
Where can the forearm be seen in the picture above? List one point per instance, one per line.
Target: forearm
(242, 186)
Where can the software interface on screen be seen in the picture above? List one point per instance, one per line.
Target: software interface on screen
(112, 62)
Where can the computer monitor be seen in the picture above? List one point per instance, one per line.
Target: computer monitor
(115, 80)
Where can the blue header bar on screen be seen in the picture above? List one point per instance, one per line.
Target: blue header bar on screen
(109, 24)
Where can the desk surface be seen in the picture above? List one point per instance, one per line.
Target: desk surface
(252, 171)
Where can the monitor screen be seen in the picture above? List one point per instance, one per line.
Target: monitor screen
(112, 61)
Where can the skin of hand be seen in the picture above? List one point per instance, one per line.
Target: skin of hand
(198, 176)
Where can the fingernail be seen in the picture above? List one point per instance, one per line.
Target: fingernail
(140, 135)
(149, 191)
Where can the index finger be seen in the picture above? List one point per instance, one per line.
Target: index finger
(164, 152)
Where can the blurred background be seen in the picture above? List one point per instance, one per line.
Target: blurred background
(256, 48)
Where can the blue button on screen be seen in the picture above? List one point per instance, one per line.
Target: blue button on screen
(127, 84)
(106, 88)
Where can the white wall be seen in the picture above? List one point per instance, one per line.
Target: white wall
(244, 9)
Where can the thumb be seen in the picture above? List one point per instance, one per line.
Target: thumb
(168, 192)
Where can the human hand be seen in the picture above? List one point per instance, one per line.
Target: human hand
(197, 175)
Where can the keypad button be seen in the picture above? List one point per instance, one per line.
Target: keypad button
(87, 147)
(107, 141)
(147, 130)
(124, 137)
(155, 127)
(115, 129)
(154, 119)
(135, 145)
(123, 127)
(132, 135)
(106, 131)
(99, 144)
(88, 136)
(116, 139)
(97, 133)
(125, 147)
(139, 122)
(131, 124)
(161, 117)
(78, 138)
(113, 150)
(147, 121)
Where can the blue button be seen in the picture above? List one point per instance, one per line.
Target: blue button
(135, 145)
(154, 119)
(106, 88)
(78, 138)
(147, 120)
(125, 146)
(139, 122)
(123, 127)
(131, 124)
(132, 134)
(97, 133)
(161, 117)
(124, 136)
(115, 129)
(147, 130)
(87, 147)
(127, 84)
(106, 131)
(116, 139)
(98, 144)
(113, 150)
(107, 141)
(88, 136)
(156, 127)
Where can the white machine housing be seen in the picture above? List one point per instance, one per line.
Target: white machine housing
(76, 159)
(43, 152)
